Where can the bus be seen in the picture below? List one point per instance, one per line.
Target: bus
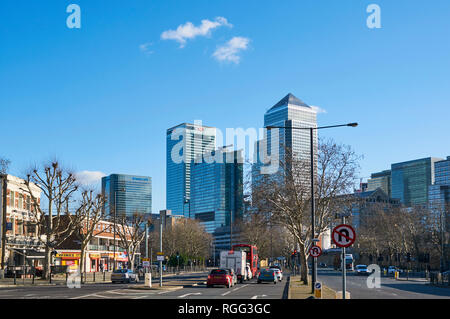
(252, 256)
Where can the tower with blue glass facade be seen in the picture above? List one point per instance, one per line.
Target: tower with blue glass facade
(217, 195)
(185, 142)
(411, 180)
(439, 192)
(127, 194)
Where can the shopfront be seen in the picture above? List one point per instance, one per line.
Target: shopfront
(68, 258)
(95, 262)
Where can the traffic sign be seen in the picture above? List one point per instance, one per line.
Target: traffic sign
(160, 253)
(343, 235)
(318, 290)
(145, 263)
(160, 258)
(315, 251)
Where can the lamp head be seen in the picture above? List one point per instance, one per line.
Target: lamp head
(352, 124)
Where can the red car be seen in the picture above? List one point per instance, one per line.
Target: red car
(219, 277)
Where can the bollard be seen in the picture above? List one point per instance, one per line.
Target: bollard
(33, 278)
(15, 277)
(94, 276)
(104, 277)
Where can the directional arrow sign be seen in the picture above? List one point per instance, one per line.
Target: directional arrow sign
(343, 236)
(315, 251)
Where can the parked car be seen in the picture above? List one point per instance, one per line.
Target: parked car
(267, 275)
(362, 270)
(323, 265)
(233, 276)
(220, 277)
(278, 273)
(124, 276)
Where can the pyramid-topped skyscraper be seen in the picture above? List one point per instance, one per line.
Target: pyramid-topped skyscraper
(290, 111)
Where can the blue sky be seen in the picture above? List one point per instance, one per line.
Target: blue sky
(96, 100)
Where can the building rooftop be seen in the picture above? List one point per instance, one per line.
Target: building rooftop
(291, 100)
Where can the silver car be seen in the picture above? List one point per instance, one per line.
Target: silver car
(124, 276)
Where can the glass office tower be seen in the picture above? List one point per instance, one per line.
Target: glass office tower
(128, 194)
(184, 143)
(439, 193)
(380, 180)
(217, 196)
(291, 111)
(411, 180)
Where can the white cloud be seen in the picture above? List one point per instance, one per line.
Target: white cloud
(189, 31)
(229, 51)
(145, 48)
(318, 109)
(89, 177)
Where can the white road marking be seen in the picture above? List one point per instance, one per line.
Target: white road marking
(256, 297)
(239, 287)
(226, 293)
(85, 296)
(194, 293)
(163, 292)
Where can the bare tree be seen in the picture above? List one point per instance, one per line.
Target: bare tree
(58, 221)
(4, 165)
(287, 193)
(188, 238)
(90, 216)
(131, 232)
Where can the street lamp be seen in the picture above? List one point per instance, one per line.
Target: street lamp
(115, 208)
(311, 129)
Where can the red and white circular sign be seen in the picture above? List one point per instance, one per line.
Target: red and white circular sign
(315, 251)
(343, 235)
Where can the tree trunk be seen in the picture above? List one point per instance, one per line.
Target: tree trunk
(82, 263)
(47, 263)
(303, 265)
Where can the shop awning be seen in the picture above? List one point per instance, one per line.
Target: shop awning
(34, 254)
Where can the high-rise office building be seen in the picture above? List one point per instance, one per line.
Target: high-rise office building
(291, 111)
(411, 180)
(288, 112)
(185, 142)
(380, 180)
(439, 193)
(217, 196)
(127, 194)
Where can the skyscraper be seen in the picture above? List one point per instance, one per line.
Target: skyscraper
(411, 180)
(127, 194)
(380, 180)
(291, 111)
(288, 112)
(439, 193)
(217, 190)
(184, 143)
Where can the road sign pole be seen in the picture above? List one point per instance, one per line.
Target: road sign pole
(160, 249)
(344, 285)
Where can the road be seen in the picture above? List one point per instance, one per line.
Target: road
(246, 290)
(390, 288)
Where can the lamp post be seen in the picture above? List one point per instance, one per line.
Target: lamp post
(115, 215)
(311, 131)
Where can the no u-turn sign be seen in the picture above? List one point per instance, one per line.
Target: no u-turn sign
(343, 236)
